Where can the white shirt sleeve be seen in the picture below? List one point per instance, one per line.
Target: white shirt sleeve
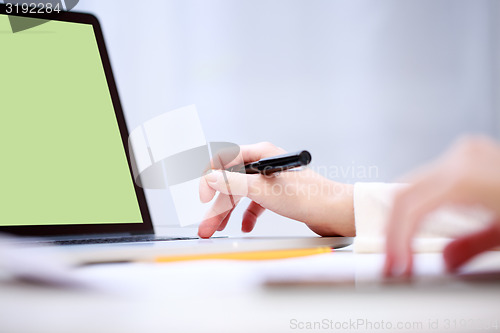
(372, 206)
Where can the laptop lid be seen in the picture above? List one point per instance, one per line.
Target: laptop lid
(64, 164)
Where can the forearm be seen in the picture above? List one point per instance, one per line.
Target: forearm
(338, 213)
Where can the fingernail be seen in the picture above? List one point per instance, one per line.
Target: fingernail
(212, 177)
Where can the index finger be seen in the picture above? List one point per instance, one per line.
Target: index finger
(257, 151)
(410, 207)
(227, 157)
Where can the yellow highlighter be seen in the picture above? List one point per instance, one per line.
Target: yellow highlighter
(252, 255)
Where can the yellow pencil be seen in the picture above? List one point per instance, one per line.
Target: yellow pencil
(252, 255)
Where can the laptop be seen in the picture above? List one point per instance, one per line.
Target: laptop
(67, 176)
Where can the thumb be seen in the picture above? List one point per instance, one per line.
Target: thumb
(463, 249)
(230, 183)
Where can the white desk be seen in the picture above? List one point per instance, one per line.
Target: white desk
(226, 296)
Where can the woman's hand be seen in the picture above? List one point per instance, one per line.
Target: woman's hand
(468, 175)
(325, 206)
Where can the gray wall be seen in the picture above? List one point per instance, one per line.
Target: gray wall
(385, 83)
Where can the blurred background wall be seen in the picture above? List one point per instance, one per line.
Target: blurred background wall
(359, 83)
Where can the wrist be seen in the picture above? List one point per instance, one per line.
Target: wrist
(338, 217)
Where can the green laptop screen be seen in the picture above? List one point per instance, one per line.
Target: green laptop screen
(62, 158)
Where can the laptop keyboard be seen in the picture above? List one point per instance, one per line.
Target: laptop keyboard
(125, 239)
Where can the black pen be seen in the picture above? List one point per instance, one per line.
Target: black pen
(268, 166)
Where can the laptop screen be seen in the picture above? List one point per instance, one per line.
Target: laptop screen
(63, 156)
